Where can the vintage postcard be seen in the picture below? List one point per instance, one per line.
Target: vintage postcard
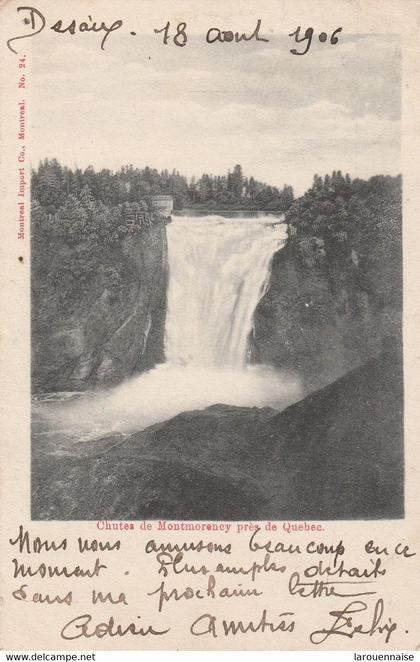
(210, 284)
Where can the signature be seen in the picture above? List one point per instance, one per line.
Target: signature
(346, 625)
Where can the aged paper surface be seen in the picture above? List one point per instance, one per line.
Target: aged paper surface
(206, 443)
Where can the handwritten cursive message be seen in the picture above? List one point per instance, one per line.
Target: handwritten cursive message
(205, 576)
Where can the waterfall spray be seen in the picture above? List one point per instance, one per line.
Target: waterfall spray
(218, 271)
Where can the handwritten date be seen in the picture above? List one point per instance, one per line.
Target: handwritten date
(35, 22)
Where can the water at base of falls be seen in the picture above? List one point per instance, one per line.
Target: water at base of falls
(166, 391)
(218, 271)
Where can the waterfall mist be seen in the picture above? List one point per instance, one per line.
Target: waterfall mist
(219, 269)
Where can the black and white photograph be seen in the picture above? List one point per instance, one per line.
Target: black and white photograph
(216, 276)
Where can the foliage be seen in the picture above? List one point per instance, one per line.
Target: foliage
(79, 220)
(348, 230)
(357, 224)
(52, 184)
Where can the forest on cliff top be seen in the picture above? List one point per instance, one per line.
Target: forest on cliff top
(78, 222)
(53, 183)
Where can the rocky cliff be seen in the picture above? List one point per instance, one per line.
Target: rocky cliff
(335, 292)
(320, 322)
(113, 327)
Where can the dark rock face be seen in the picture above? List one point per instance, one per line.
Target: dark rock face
(322, 317)
(109, 334)
(337, 454)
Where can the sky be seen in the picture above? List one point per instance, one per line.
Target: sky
(205, 108)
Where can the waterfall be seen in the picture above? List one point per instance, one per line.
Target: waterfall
(218, 271)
